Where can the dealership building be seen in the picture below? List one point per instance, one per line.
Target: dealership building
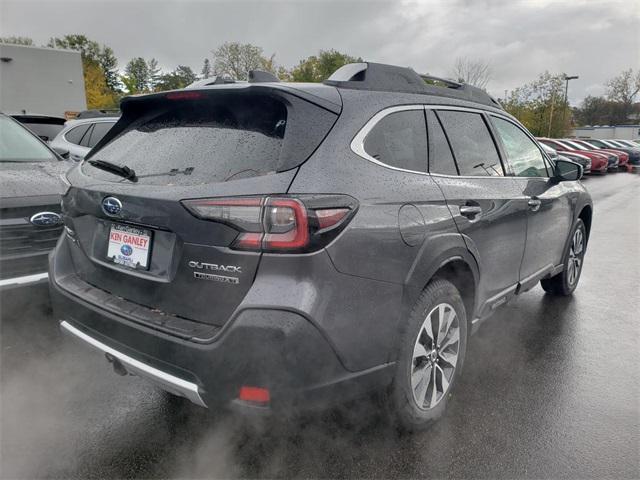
(622, 132)
(39, 80)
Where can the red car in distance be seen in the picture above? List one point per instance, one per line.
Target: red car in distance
(599, 161)
(623, 157)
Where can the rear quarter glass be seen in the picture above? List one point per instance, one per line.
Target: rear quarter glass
(215, 138)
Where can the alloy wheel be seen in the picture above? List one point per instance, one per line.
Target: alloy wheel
(575, 256)
(435, 355)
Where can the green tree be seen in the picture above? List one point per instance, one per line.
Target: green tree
(179, 78)
(17, 40)
(154, 73)
(206, 68)
(89, 49)
(539, 105)
(319, 68)
(109, 64)
(236, 59)
(137, 77)
(594, 111)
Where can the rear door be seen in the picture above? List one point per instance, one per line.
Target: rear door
(548, 203)
(480, 197)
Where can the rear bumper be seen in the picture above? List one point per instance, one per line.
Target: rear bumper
(132, 366)
(267, 347)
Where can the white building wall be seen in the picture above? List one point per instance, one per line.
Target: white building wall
(40, 80)
(623, 132)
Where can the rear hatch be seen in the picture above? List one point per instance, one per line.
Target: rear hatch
(136, 240)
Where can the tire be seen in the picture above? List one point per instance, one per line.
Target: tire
(565, 282)
(419, 363)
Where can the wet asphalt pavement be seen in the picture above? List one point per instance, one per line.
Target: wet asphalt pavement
(550, 389)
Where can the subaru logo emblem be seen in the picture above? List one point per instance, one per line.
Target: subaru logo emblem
(126, 250)
(45, 219)
(111, 206)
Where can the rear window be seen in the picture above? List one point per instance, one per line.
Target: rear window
(46, 131)
(100, 129)
(76, 134)
(399, 140)
(223, 138)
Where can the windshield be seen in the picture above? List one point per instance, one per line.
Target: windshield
(17, 144)
(574, 145)
(596, 143)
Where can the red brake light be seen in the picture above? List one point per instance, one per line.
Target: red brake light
(186, 95)
(328, 217)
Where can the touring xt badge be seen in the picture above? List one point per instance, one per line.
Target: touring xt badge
(216, 268)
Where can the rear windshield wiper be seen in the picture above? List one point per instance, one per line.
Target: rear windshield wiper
(122, 171)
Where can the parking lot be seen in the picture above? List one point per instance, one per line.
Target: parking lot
(550, 389)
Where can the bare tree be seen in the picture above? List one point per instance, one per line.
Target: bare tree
(473, 72)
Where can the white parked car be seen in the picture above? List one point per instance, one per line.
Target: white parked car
(79, 136)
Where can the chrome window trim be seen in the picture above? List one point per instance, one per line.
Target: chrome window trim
(357, 144)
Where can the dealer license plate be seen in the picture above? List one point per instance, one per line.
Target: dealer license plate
(129, 246)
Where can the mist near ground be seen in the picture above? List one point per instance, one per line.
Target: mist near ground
(550, 389)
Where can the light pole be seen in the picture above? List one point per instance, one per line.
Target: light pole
(566, 90)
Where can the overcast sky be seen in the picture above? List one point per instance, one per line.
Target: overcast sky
(595, 39)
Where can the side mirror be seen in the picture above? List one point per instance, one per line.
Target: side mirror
(63, 152)
(567, 171)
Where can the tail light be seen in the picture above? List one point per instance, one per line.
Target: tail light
(278, 224)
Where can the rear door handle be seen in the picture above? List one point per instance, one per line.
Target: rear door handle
(470, 211)
(534, 204)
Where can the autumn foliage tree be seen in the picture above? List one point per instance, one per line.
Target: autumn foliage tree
(540, 106)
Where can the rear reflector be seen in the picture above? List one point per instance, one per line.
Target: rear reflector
(328, 217)
(254, 394)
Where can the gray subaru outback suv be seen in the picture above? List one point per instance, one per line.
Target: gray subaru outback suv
(278, 246)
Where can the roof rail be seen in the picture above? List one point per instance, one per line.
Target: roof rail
(449, 83)
(215, 80)
(391, 78)
(260, 76)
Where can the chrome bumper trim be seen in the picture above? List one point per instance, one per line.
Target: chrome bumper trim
(24, 280)
(164, 380)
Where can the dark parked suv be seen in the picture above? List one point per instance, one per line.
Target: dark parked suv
(277, 246)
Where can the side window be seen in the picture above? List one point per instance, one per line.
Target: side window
(99, 131)
(472, 145)
(75, 134)
(85, 138)
(523, 155)
(399, 140)
(440, 157)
